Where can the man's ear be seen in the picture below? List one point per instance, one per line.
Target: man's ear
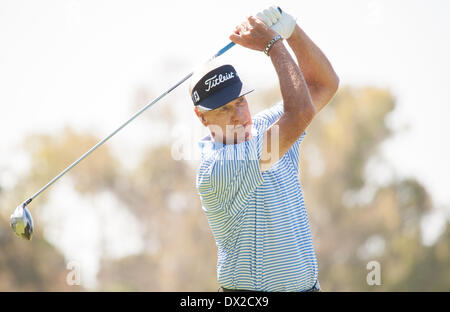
(201, 116)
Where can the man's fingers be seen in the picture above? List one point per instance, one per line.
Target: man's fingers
(243, 28)
(264, 19)
(275, 12)
(236, 38)
(270, 15)
(252, 20)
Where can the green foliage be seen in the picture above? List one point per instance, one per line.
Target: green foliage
(353, 221)
(30, 266)
(350, 232)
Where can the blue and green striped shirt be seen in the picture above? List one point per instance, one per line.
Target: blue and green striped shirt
(259, 220)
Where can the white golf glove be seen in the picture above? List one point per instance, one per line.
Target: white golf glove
(282, 23)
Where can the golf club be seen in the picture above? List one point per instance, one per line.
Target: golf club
(21, 220)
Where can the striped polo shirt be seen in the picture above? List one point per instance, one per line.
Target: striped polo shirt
(258, 220)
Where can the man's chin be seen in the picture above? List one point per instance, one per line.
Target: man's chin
(248, 136)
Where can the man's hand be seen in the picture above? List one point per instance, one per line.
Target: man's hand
(320, 77)
(281, 22)
(252, 34)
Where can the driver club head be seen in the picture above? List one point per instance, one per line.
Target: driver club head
(22, 222)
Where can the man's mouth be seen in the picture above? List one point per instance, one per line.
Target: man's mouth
(242, 126)
(242, 129)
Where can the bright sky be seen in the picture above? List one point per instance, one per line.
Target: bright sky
(79, 63)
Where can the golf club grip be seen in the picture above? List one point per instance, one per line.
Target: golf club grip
(224, 49)
(231, 44)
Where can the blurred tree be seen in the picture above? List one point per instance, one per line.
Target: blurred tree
(37, 265)
(180, 253)
(30, 266)
(52, 154)
(353, 220)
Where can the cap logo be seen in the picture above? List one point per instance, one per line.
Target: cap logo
(217, 87)
(217, 80)
(195, 96)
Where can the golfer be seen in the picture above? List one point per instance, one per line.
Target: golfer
(248, 179)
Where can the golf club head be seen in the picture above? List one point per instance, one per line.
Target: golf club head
(22, 222)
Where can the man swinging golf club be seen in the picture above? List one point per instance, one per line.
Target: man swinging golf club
(248, 177)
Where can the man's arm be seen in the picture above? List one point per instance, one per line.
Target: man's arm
(320, 76)
(298, 107)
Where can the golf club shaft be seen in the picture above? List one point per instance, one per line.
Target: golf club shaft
(223, 50)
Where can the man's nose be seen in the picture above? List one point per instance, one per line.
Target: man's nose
(237, 116)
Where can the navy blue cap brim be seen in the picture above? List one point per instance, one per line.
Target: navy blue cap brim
(224, 96)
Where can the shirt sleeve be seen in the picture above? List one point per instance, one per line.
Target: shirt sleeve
(269, 116)
(293, 154)
(229, 175)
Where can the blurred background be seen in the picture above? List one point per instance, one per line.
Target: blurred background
(374, 164)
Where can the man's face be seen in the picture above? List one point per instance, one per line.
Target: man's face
(230, 123)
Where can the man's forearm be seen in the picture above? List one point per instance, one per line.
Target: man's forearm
(295, 93)
(319, 75)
